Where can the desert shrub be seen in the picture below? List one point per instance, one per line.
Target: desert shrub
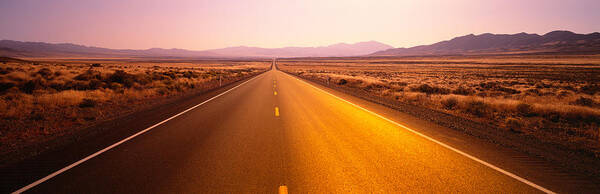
(58, 73)
(95, 84)
(213, 72)
(571, 114)
(583, 101)
(170, 74)
(115, 86)
(18, 76)
(57, 85)
(541, 85)
(96, 65)
(44, 72)
(87, 103)
(190, 74)
(507, 90)
(463, 91)
(590, 89)
(563, 94)
(162, 91)
(524, 109)
(553, 116)
(376, 86)
(160, 76)
(397, 89)
(580, 116)
(36, 116)
(477, 108)
(533, 91)
(488, 85)
(143, 78)
(399, 83)
(495, 86)
(4, 86)
(168, 82)
(122, 77)
(88, 75)
(512, 83)
(425, 88)
(179, 87)
(450, 103)
(569, 87)
(205, 75)
(31, 85)
(6, 70)
(76, 85)
(514, 124)
(342, 82)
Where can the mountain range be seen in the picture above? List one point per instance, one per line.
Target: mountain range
(335, 50)
(552, 42)
(10, 48)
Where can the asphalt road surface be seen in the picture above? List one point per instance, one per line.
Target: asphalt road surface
(276, 132)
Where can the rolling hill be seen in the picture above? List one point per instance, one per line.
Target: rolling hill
(10, 48)
(552, 42)
(335, 50)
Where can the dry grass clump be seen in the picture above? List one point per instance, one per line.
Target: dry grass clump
(427, 89)
(450, 103)
(554, 98)
(43, 100)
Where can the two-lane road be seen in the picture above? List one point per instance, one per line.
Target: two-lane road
(276, 130)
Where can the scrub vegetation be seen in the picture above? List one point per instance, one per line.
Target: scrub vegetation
(42, 100)
(552, 98)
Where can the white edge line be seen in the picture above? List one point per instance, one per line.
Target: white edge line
(438, 142)
(120, 142)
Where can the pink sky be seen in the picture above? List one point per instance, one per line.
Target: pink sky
(201, 24)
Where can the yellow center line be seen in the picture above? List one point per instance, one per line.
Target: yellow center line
(276, 111)
(283, 189)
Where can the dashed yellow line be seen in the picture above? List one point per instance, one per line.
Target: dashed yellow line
(283, 189)
(276, 111)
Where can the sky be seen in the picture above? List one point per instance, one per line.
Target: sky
(204, 24)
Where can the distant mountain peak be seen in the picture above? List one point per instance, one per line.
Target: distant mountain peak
(499, 43)
(341, 43)
(371, 42)
(333, 50)
(559, 32)
(39, 49)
